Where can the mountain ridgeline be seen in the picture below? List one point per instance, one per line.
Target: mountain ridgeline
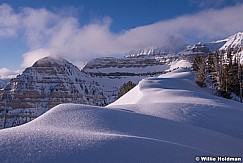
(52, 80)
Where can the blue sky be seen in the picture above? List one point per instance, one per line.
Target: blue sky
(125, 14)
(80, 30)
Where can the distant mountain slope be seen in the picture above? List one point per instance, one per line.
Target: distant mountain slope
(234, 41)
(109, 66)
(112, 73)
(78, 133)
(3, 82)
(172, 46)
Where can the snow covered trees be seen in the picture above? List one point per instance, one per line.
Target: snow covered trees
(221, 72)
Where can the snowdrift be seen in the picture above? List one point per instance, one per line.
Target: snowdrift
(175, 96)
(165, 119)
(79, 133)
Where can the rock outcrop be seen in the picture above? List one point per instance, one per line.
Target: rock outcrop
(49, 82)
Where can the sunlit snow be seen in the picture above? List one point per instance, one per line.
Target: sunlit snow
(163, 119)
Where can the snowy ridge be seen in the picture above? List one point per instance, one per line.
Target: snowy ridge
(149, 51)
(171, 47)
(234, 41)
(199, 48)
(184, 121)
(176, 97)
(136, 66)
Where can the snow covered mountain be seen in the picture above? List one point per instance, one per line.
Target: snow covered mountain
(49, 82)
(111, 73)
(172, 46)
(197, 49)
(184, 122)
(234, 41)
(52, 81)
(110, 66)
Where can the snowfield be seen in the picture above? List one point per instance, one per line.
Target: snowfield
(175, 96)
(163, 119)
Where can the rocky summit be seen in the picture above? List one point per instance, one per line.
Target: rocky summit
(49, 82)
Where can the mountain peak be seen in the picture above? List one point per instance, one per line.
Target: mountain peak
(233, 41)
(50, 60)
(240, 34)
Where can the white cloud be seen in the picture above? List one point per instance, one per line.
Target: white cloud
(51, 33)
(9, 21)
(34, 55)
(7, 73)
(38, 25)
(213, 3)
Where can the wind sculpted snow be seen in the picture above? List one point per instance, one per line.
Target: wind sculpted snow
(175, 96)
(79, 133)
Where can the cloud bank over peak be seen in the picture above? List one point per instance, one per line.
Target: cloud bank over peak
(48, 33)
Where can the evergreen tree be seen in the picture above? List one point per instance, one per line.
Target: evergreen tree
(199, 67)
(197, 62)
(240, 74)
(230, 79)
(224, 86)
(211, 73)
(125, 88)
(223, 77)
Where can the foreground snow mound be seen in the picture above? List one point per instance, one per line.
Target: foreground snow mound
(79, 133)
(175, 96)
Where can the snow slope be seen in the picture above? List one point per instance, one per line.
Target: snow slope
(79, 133)
(164, 119)
(175, 96)
(234, 41)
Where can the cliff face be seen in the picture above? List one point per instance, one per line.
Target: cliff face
(111, 73)
(129, 66)
(49, 82)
